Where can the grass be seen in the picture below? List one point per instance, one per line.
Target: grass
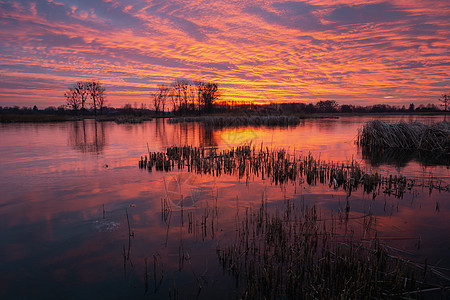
(236, 121)
(288, 250)
(279, 167)
(124, 119)
(377, 135)
(294, 254)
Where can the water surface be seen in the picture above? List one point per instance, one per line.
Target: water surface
(67, 188)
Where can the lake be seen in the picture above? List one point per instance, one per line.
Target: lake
(80, 219)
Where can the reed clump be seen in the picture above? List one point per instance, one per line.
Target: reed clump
(124, 119)
(279, 167)
(237, 121)
(294, 254)
(376, 135)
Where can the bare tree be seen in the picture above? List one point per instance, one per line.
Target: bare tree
(81, 88)
(160, 98)
(184, 92)
(73, 99)
(156, 102)
(445, 99)
(176, 96)
(164, 91)
(188, 96)
(199, 88)
(327, 106)
(97, 94)
(210, 93)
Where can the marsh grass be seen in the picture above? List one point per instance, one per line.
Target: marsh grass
(295, 254)
(377, 135)
(237, 121)
(280, 167)
(123, 119)
(285, 249)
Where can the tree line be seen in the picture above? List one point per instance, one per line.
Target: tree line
(331, 106)
(84, 94)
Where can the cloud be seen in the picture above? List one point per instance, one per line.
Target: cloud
(371, 13)
(441, 83)
(289, 50)
(297, 15)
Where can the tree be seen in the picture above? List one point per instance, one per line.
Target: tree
(188, 96)
(445, 99)
(81, 89)
(209, 95)
(77, 96)
(326, 106)
(346, 108)
(97, 94)
(176, 96)
(183, 86)
(160, 98)
(164, 91)
(73, 99)
(156, 102)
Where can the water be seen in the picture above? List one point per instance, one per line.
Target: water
(67, 188)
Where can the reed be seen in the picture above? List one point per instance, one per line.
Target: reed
(294, 253)
(376, 135)
(123, 119)
(290, 250)
(237, 121)
(280, 168)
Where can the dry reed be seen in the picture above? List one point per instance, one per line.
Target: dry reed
(376, 135)
(294, 254)
(279, 167)
(236, 121)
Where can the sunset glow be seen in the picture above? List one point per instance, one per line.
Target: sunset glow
(351, 51)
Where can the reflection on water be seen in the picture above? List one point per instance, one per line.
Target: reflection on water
(87, 136)
(181, 134)
(401, 157)
(66, 219)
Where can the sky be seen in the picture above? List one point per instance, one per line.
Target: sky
(352, 51)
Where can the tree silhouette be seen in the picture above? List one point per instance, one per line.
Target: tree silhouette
(327, 106)
(445, 99)
(210, 94)
(73, 99)
(97, 94)
(80, 88)
(77, 95)
(160, 98)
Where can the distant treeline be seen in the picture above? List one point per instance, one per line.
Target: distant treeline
(331, 106)
(183, 107)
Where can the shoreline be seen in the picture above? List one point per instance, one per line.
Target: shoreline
(136, 118)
